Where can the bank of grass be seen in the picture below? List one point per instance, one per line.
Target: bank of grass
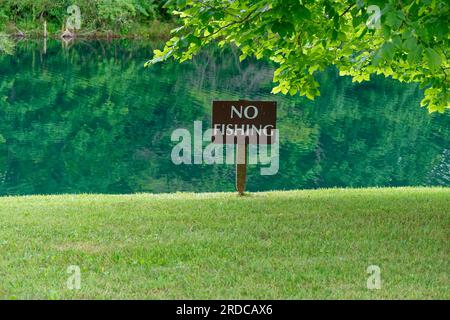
(296, 244)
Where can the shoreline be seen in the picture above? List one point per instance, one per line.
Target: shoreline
(233, 194)
(156, 31)
(94, 36)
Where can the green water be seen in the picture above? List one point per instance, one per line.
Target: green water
(91, 119)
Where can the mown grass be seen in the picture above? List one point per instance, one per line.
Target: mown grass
(293, 245)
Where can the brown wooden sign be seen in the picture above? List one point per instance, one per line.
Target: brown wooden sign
(244, 122)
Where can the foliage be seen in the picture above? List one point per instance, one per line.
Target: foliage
(115, 15)
(6, 44)
(302, 37)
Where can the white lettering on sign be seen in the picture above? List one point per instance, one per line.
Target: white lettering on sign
(242, 129)
(245, 110)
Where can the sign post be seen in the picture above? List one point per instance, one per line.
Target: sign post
(242, 123)
(241, 167)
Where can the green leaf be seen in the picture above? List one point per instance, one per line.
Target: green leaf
(434, 59)
(388, 50)
(283, 28)
(377, 58)
(415, 56)
(410, 44)
(393, 20)
(193, 39)
(397, 41)
(301, 13)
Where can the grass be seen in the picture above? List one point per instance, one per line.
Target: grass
(276, 245)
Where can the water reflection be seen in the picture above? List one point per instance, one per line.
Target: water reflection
(91, 118)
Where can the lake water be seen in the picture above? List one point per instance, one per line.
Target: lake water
(89, 118)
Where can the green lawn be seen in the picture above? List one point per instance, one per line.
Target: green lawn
(293, 245)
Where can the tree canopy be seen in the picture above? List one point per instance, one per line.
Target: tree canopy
(406, 40)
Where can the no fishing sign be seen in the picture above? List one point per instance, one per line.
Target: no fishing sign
(241, 123)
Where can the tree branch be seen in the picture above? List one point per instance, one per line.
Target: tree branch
(230, 24)
(347, 10)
